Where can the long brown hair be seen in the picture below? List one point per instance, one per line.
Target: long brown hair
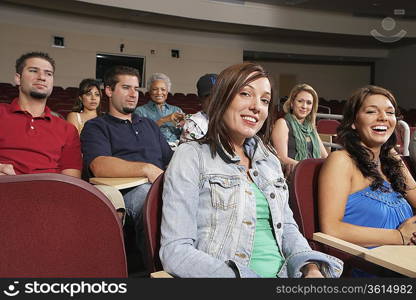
(229, 82)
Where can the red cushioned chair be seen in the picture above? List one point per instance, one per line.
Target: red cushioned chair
(326, 126)
(152, 214)
(303, 201)
(53, 225)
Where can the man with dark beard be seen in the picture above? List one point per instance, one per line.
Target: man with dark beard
(32, 140)
(122, 144)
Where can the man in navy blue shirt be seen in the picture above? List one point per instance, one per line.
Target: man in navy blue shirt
(122, 144)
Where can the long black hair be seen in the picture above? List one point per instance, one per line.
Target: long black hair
(362, 155)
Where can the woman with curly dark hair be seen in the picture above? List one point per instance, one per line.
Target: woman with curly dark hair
(366, 193)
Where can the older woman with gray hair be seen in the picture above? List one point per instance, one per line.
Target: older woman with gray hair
(168, 117)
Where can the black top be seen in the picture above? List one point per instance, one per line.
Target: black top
(138, 141)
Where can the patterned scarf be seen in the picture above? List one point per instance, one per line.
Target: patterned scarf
(301, 132)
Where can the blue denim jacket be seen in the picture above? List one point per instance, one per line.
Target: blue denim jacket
(209, 215)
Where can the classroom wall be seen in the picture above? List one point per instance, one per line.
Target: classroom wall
(397, 73)
(84, 38)
(25, 29)
(329, 81)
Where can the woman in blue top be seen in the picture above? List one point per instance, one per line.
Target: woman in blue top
(168, 117)
(225, 201)
(366, 193)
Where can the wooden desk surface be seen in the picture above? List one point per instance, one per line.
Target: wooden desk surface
(401, 259)
(119, 183)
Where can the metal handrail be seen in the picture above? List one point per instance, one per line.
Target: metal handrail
(406, 137)
(329, 116)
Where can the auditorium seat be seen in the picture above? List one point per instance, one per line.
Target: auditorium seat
(152, 218)
(72, 92)
(191, 97)
(54, 225)
(179, 96)
(327, 126)
(336, 106)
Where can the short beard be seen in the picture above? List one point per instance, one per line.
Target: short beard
(128, 110)
(37, 95)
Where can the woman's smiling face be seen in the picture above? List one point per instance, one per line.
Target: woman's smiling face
(375, 121)
(248, 110)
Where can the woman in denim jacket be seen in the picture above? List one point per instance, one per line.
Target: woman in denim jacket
(225, 200)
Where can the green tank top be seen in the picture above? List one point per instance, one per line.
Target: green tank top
(266, 259)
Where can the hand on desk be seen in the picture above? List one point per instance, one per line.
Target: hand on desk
(412, 240)
(408, 230)
(152, 172)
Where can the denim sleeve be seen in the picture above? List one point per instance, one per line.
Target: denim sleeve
(95, 141)
(301, 254)
(179, 222)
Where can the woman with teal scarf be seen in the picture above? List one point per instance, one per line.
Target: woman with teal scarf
(295, 137)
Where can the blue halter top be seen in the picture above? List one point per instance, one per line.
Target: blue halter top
(382, 208)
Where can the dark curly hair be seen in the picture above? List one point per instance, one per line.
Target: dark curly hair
(362, 155)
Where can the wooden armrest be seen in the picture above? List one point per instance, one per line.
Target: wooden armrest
(339, 244)
(119, 183)
(160, 274)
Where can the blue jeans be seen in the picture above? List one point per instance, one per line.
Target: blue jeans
(134, 200)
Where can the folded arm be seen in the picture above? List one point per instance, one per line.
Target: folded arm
(108, 166)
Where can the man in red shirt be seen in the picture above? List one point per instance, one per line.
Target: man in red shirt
(32, 140)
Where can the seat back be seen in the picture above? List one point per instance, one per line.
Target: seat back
(152, 214)
(304, 195)
(327, 126)
(53, 225)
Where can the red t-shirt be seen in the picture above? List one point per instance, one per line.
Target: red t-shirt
(46, 144)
